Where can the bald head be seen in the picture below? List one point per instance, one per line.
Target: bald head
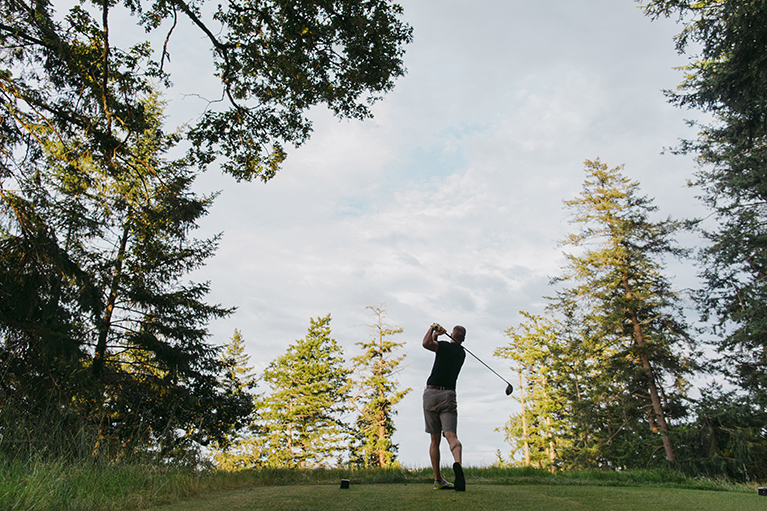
(459, 334)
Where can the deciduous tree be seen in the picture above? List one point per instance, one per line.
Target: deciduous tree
(274, 61)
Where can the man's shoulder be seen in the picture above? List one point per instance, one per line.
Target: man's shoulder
(452, 346)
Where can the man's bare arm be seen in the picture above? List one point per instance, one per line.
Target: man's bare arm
(430, 339)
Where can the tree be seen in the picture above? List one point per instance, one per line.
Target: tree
(238, 375)
(301, 416)
(378, 394)
(727, 79)
(569, 402)
(274, 60)
(535, 430)
(630, 304)
(239, 379)
(94, 222)
(608, 364)
(726, 437)
(139, 366)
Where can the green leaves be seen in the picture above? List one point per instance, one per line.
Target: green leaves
(275, 61)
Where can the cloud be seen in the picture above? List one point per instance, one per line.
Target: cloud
(447, 206)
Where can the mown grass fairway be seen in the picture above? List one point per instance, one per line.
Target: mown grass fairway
(405, 497)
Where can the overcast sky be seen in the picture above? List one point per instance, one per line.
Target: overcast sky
(447, 206)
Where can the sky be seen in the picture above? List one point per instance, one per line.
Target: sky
(447, 205)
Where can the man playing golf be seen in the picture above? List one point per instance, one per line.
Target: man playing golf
(440, 408)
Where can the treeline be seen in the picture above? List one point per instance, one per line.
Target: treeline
(310, 409)
(104, 348)
(605, 371)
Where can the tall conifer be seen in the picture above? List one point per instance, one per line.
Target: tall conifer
(378, 393)
(302, 414)
(615, 278)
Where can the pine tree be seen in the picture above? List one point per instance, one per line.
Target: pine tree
(616, 279)
(726, 77)
(301, 415)
(238, 378)
(378, 394)
(604, 371)
(238, 375)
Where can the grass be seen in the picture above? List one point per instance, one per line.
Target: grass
(411, 497)
(51, 485)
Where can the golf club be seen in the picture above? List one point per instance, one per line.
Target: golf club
(509, 386)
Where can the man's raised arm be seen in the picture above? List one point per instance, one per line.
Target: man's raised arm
(430, 339)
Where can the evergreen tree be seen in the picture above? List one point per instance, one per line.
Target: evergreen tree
(727, 79)
(378, 394)
(301, 415)
(605, 374)
(143, 370)
(535, 431)
(238, 378)
(629, 304)
(238, 375)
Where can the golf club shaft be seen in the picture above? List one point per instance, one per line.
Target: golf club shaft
(480, 360)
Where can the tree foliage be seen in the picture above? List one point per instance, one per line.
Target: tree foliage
(605, 375)
(301, 417)
(126, 340)
(237, 378)
(274, 61)
(378, 394)
(728, 79)
(98, 331)
(726, 437)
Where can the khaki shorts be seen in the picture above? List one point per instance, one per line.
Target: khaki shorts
(440, 411)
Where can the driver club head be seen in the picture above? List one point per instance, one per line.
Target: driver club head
(509, 389)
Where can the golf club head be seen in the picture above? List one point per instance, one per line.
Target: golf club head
(509, 389)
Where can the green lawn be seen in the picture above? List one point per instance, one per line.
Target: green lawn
(406, 497)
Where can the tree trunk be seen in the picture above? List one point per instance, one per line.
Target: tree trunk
(524, 418)
(661, 425)
(552, 454)
(99, 356)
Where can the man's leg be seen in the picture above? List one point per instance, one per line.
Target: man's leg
(455, 446)
(457, 449)
(434, 455)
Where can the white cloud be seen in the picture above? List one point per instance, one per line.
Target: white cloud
(448, 205)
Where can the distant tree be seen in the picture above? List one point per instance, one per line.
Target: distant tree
(238, 378)
(727, 79)
(378, 394)
(301, 415)
(238, 375)
(535, 431)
